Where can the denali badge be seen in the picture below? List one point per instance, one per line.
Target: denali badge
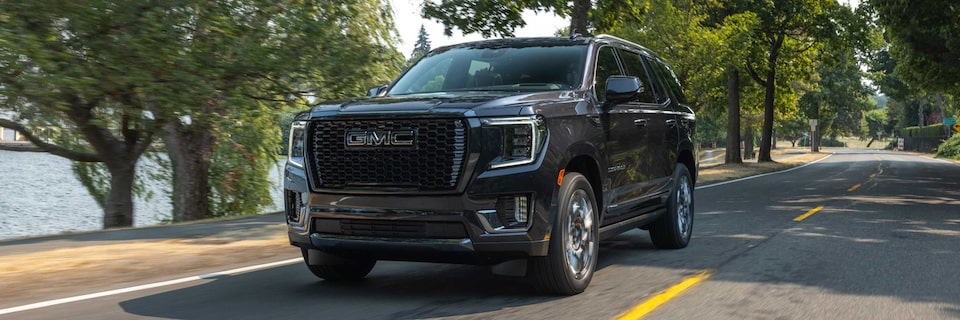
(375, 138)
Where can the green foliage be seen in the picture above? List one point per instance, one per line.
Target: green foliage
(710, 131)
(840, 97)
(94, 177)
(876, 120)
(925, 37)
(793, 129)
(950, 149)
(245, 152)
(933, 130)
(502, 17)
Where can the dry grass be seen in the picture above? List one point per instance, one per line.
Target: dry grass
(50, 273)
(725, 172)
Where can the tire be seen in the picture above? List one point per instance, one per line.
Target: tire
(335, 268)
(674, 228)
(574, 244)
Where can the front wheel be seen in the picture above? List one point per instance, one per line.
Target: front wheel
(334, 268)
(674, 228)
(574, 244)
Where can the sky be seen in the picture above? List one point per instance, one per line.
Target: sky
(408, 21)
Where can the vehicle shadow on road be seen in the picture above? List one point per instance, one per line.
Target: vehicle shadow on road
(394, 290)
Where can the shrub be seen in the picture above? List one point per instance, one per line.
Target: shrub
(933, 130)
(950, 148)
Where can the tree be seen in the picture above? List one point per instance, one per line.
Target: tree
(243, 65)
(793, 129)
(421, 47)
(501, 17)
(789, 27)
(118, 75)
(877, 124)
(54, 74)
(925, 37)
(840, 97)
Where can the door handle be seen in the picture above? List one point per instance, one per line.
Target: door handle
(640, 122)
(672, 123)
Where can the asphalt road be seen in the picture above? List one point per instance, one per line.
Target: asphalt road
(884, 245)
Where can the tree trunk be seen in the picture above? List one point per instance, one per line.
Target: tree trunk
(768, 108)
(766, 132)
(118, 208)
(748, 143)
(578, 20)
(190, 149)
(733, 117)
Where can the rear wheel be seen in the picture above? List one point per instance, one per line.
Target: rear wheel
(335, 268)
(674, 228)
(574, 244)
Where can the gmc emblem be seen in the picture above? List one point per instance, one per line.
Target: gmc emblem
(378, 138)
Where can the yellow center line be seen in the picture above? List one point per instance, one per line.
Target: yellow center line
(808, 214)
(873, 175)
(854, 187)
(647, 306)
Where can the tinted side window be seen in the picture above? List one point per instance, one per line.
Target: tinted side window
(669, 79)
(606, 67)
(634, 67)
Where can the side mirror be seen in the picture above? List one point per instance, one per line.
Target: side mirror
(377, 91)
(622, 89)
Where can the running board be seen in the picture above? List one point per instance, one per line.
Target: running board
(622, 226)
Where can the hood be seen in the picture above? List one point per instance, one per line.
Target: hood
(466, 104)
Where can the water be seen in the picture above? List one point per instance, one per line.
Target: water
(39, 195)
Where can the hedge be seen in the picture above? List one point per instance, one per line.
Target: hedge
(933, 130)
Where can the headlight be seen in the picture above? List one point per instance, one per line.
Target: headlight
(521, 140)
(295, 149)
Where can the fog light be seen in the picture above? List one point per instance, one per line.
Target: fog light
(520, 209)
(295, 206)
(512, 214)
(513, 211)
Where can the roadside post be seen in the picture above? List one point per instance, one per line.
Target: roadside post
(814, 137)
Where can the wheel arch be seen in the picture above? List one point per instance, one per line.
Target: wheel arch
(588, 167)
(687, 158)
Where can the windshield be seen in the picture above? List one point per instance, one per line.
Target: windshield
(527, 68)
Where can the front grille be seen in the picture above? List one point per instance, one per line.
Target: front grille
(391, 228)
(434, 161)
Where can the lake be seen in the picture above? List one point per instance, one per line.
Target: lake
(39, 195)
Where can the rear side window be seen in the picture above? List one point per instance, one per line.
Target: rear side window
(669, 79)
(634, 67)
(606, 66)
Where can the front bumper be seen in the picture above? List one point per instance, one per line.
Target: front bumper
(432, 228)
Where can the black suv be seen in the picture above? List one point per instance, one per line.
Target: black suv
(518, 153)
